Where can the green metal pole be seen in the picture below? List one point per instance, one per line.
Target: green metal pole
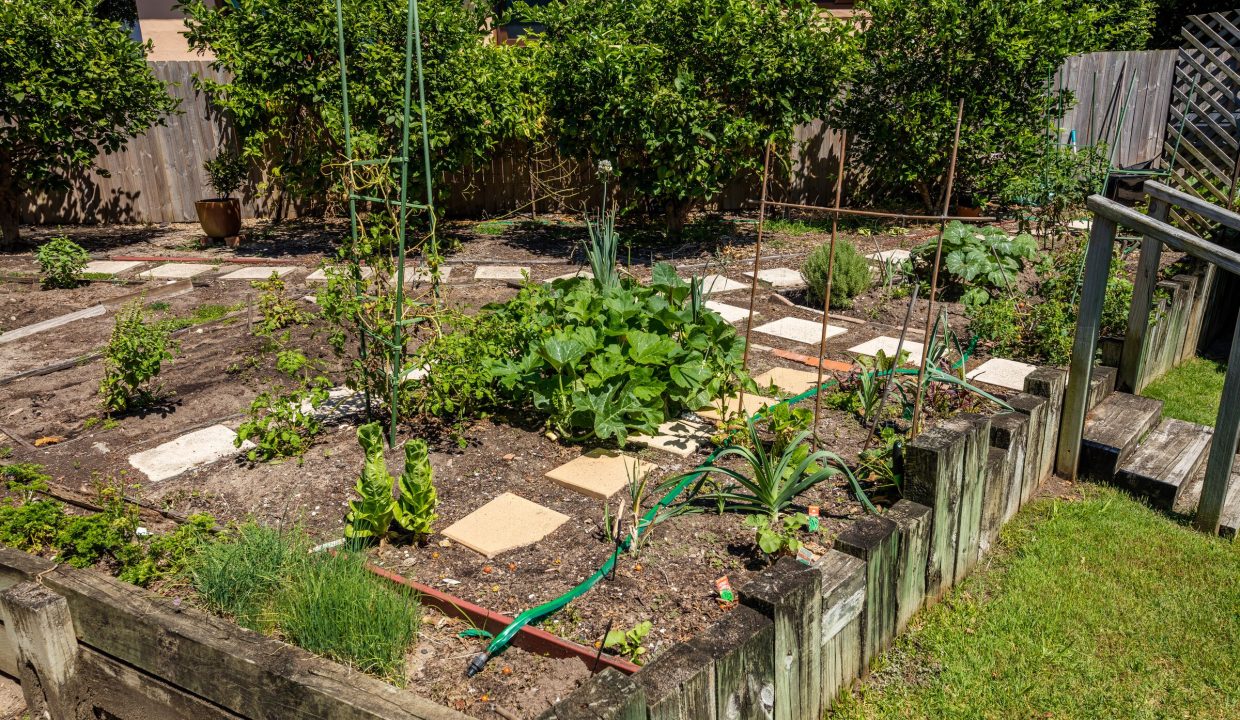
(433, 255)
(354, 264)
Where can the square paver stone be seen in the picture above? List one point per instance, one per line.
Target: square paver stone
(749, 404)
(884, 256)
(780, 277)
(258, 272)
(600, 473)
(790, 381)
(1003, 373)
(320, 275)
(423, 274)
(501, 272)
(569, 276)
(730, 313)
(506, 523)
(679, 437)
(712, 284)
(888, 345)
(187, 452)
(110, 267)
(176, 271)
(798, 330)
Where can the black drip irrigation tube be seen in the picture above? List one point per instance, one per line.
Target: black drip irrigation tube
(535, 614)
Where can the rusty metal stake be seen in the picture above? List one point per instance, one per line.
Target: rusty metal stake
(934, 277)
(757, 259)
(826, 299)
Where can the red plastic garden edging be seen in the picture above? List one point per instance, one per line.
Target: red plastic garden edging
(530, 639)
(189, 259)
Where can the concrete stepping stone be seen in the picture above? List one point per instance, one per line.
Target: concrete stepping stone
(176, 271)
(187, 452)
(506, 523)
(714, 284)
(730, 313)
(341, 402)
(749, 404)
(888, 345)
(320, 275)
(1002, 372)
(679, 437)
(780, 278)
(886, 256)
(423, 275)
(793, 382)
(798, 330)
(501, 272)
(583, 273)
(600, 473)
(110, 267)
(258, 272)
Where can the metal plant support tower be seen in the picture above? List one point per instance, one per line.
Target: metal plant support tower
(392, 344)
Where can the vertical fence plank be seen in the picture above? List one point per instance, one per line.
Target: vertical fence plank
(742, 646)
(843, 597)
(1142, 303)
(39, 627)
(933, 467)
(875, 541)
(913, 522)
(609, 695)
(790, 594)
(976, 431)
(679, 685)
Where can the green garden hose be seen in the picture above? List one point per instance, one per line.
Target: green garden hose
(504, 637)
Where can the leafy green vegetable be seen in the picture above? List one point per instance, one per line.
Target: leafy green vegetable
(370, 517)
(976, 260)
(414, 509)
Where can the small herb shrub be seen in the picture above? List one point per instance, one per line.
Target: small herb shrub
(85, 540)
(61, 262)
(132, 359)
(166, 556)
(238, 576)
(277, 311)
(25, 523)
(225, 173)
(606, 362)
(371, 517)
(326, 603)
(850, 275)
(282, 422)
(976, 261)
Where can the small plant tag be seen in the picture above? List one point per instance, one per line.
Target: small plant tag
(812, 526)
(726, 595)
(806, 556)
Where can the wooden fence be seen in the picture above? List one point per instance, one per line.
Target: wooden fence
(159, 175)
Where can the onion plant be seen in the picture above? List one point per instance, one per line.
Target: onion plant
(603, 250)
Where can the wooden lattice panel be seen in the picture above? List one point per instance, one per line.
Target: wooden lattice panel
(1205, 161)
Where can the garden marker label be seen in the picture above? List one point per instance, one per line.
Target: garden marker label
(726, 595)
(813, 518)
(806, 555)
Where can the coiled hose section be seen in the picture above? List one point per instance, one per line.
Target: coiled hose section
(535, 614)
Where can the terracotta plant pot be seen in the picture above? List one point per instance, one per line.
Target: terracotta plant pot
(219, 217)
(968, 211)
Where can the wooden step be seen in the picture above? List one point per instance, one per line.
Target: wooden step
(1112, 431)
(1101, 385)
(1169, 457)
(1229, 523)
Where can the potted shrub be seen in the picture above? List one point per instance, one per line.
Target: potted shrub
(220, 216)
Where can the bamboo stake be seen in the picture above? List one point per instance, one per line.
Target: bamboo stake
(934, 277)
(757, 259)
(826, 300)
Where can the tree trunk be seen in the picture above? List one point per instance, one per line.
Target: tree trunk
(677, 214)
(10, 215)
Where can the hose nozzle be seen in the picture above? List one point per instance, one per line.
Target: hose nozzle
(476, 665)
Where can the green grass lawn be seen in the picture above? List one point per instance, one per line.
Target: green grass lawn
(1191, 391)
(1094, 608)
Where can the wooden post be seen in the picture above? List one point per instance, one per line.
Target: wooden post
(1088, 323)
(875, 541)
(1142, 301)
(790, 594)
(39, 627)
(913, 522)
(994, 497)
(1009, 432)
(976, 431)
(609, 695)
(679, 685)
(1035, 408)
(843, 597)
(742, 645)
(1050, 383)
(933, 466)
(1223, 447)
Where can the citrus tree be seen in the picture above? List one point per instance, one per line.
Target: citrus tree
(683, 95)
(72, 85)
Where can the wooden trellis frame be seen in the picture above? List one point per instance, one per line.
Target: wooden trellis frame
(1205, 162)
